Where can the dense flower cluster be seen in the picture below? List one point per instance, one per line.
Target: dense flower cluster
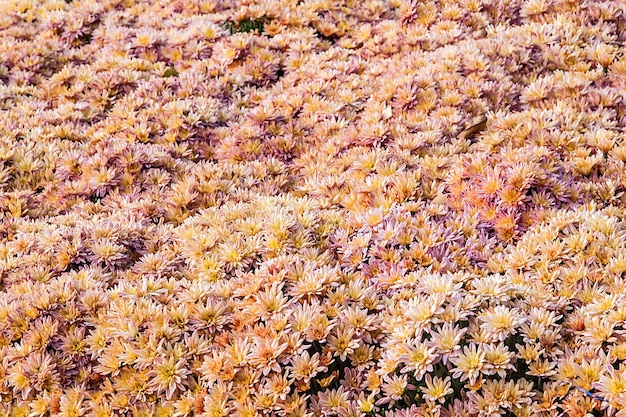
(312, 208)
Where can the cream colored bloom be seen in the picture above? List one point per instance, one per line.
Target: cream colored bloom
(498, 359)
(418, 357)
(334, 401)
(265, 353)
(446, 340)
(169, 376)
(501, 321)
(469, 363)
(342, 341)
(305, 366)
(436, 389)
(394, 387)
(611, 387)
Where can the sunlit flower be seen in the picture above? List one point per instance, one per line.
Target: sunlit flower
(498, 359)
(334, 401)
(394, 388)
(305, 366)
(469, 363)
(169, 376)
(500, 322)
(436, 388)
(265, 353)
(342, 342)
(418, 358)
(446, 339)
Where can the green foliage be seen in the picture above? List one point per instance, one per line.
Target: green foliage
(245, 26)
(170, 72)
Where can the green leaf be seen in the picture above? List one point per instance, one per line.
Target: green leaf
(246, 25)
(170, 72)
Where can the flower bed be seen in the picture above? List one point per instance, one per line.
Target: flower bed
(312, 208)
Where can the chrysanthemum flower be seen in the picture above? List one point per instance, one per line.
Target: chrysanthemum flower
(305, 366)
(334, 401)
(418, 357)
(469, 363)
(436, 388)
(501, 321)
(446, 340)
(169, 376)
(498, 359)
(342, 341)
(265, 353)
(394, 387)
